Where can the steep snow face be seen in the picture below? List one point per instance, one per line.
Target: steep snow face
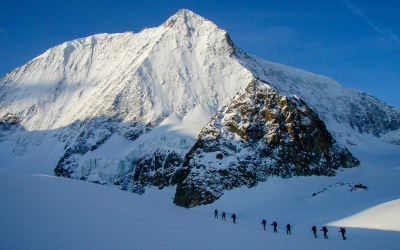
(88, 89)
(142, 77)
(347, 112)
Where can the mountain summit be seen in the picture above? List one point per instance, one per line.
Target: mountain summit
(132, 110)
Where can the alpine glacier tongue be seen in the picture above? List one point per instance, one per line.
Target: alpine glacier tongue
(125, 109)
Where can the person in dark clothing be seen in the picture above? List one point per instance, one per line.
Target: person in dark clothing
(343, 231)
(216, 213)
(325, 231)
(234, 218)
(288, 229)
(186, 205)
(223, 216)
(275, 225)
(263, 222)
(314, 229)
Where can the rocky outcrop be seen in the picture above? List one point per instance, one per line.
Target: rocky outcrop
(9, 123)
(259, 134)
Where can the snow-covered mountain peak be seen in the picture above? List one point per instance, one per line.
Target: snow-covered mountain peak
(128, 82)
(187, 18)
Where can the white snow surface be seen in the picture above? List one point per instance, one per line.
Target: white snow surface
(385, 216)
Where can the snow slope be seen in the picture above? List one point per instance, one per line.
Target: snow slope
(44, 212)
(384, 216)
(139, 77)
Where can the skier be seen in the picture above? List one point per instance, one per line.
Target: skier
(223, 216)
(186, 205)
(288, 229)
(275, 225)
(216, 213)
(314, 229)
(234, 218)
(263, 222)
(343, 231)
(325, 231)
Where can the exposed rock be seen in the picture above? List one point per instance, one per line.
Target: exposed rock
(9, 123)
(259, 134)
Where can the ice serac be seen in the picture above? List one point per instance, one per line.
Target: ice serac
(260, 133)
(125, 109)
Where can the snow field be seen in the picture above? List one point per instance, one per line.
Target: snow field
(45, 212)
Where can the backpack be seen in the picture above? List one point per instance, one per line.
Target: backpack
(263, 222)
(325, 229)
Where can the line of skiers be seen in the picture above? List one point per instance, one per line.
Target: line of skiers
(314, 229)
(288, 227)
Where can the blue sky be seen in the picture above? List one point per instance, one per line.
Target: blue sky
(354, 42)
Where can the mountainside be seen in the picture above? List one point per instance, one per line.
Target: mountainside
(127, 109)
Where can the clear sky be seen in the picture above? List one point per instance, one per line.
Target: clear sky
(355, 42)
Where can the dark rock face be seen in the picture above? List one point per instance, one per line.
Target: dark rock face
(259, 134)
(371, 116)
(154, 169)
(8, 125)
